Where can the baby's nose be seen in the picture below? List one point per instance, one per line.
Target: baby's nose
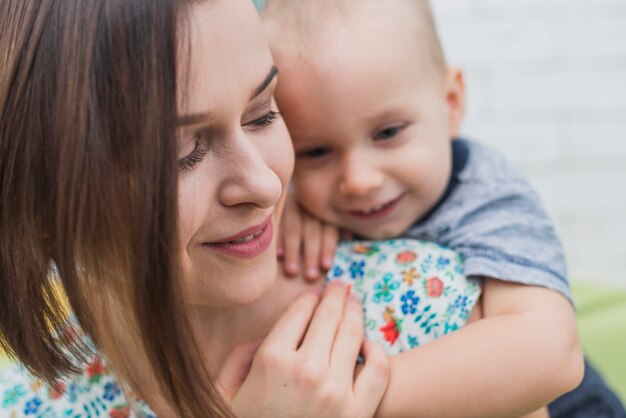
(360, 178)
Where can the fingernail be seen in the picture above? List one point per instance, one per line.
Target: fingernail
(312, 272)
(355, 298)
(326, 262)
(291, 267)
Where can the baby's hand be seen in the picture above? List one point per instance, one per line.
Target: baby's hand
(303, 236)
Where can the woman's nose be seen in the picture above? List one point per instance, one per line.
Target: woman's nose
(248, 179)
(359, 176)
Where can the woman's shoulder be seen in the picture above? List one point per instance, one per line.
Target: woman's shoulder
(92, 392)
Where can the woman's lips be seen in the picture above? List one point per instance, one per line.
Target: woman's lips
(248, 243)
(377, 211)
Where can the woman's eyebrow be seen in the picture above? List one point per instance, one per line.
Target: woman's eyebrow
(268, 80)
(191, 119)
(195, 118)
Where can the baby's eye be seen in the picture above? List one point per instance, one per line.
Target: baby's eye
(388, 133)
(314, 153)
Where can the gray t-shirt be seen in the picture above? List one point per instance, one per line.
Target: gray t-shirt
(494, 219)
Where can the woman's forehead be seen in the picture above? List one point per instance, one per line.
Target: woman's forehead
(223, 54)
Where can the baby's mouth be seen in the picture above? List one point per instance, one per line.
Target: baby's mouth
(377, 210)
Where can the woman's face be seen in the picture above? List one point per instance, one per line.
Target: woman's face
(235, 155)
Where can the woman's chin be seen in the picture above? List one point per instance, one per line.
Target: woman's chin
(234, 287)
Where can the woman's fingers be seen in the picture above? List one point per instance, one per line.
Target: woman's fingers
(372, 379)
(320, 336)
(290, 328)
(349, 338)
(317, 379)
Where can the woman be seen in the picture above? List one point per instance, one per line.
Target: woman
(143, 163)
(139, 145)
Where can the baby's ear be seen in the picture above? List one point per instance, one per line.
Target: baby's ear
(455, 98)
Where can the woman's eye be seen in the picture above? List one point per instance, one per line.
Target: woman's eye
(193, 158)
(265, 120)
(314, 153)
(388, 133)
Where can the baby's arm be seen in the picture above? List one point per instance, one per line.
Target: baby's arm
(524, 353)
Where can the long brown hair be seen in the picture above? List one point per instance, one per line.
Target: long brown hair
(88, 193)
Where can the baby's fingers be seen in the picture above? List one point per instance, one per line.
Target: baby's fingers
(291, 238)
(312, 245)
(330, 237)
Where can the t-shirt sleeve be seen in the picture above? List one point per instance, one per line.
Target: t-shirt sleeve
(504, 233)
(412, 291)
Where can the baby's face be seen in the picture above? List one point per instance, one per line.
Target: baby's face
(372, 126)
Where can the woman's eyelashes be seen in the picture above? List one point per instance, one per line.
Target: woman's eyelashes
(194, 157)
(265, 120)
(201, 141)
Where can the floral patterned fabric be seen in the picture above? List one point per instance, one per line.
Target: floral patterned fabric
(93, 393)
(412, 292)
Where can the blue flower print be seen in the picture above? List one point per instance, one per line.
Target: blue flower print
(384, 290)
(442, 262)
(461, 303)
(413, 341)
(356, 269)
(32, 406)
(337, 271)
(72, 392)
(111, 391)
(409, 302)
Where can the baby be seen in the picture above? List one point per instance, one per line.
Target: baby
(374, 113)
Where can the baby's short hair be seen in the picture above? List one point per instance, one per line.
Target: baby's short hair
(303, 22)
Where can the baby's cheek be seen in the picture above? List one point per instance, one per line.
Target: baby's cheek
(304, 186)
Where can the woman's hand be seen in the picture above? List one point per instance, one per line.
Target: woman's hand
(305, 367)
(305, 237)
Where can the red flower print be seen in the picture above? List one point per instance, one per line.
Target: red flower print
(57, 390)
(95, 370)
(406, 257)
(434, 287)
(119, 412)
(390, 331)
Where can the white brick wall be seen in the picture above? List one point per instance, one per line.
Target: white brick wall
(546, 82)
